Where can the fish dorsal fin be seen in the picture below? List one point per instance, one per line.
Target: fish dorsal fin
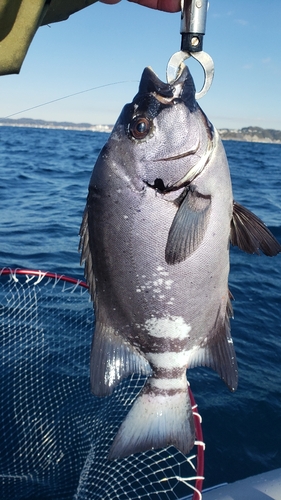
(84, 248)
(112, 359)
(218, 353)
(250, 234)
(188, 227)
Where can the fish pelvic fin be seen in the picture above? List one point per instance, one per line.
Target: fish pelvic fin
(112, 359)
(158, 418)
(218, 351)
(250, 234)
(188, 227)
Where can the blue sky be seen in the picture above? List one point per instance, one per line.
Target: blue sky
(106, 44)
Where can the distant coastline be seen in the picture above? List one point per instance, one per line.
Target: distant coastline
(30, 122)
(251, 134)
(245, 134)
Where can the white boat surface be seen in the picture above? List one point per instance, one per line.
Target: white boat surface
(266, 486)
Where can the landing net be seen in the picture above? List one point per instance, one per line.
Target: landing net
(55, 435)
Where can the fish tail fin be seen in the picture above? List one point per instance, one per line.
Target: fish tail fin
(158, 418)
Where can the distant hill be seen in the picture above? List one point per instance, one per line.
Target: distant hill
(251, 134)
(247, 134)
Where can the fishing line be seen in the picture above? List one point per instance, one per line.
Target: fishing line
(70, 95)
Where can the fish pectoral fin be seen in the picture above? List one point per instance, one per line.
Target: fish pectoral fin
(84, 248)
(250, 234)
(218, 353)
(188, 227)
(156, 421)
(113, 359)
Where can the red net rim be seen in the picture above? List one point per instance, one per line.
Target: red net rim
(43, 274)
(197, 419)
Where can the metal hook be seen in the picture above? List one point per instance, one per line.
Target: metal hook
(174, 68)
(193, 26)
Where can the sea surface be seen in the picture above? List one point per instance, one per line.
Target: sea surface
(43, 188)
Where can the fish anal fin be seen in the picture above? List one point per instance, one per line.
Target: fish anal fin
(188, 227)
(250, 234)
(112, 359)
(218, 352)
(156, 420)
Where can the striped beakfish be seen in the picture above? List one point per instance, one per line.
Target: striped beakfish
(155, 238)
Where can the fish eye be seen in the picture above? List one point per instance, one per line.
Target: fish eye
(139, 127)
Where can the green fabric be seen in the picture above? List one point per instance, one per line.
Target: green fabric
(19, 20)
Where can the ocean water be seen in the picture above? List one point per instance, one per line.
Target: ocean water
(43, 188)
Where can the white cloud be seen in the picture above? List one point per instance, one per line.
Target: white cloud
(217, 15)
(242, 22)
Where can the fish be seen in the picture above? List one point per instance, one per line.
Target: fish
(155, 239)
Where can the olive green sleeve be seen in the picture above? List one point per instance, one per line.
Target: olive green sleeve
(19, 20)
